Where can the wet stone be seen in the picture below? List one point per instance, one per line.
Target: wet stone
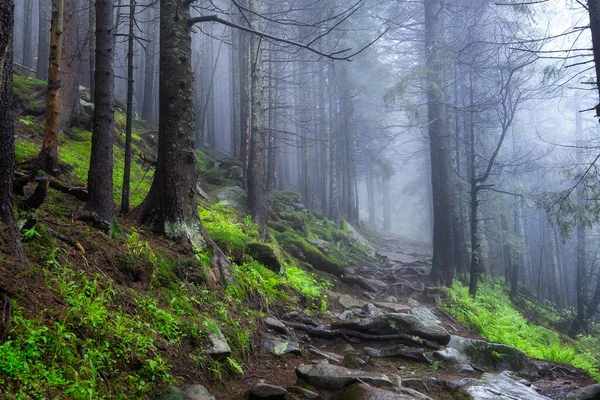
(280, 347)
(263, 391)
(333, 377)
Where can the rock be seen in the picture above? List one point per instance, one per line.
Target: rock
(354, 237)
(450, 356)
(361, 391)
(369, 296)
(425, 314)
(399, 350)
(466, 369)
(307, 394)
(412, 302)
(280, 347)
(391, 299)
(397, 307)
(219, 348)
(591, 392)
(453, 384)
(192, 392)
(266, 255)
(348, 348)
(347, 315)
(369, 284)
(397, 323)
(320, 244)
(372, 310)
(234, 172)
(88, 108)
(400, 258)
(275, 324)
(234, 196)
(333, 377)
(267, 392)
(348, 302)
(495, 356)
(329, 356)
(355, 361)
(500, 387)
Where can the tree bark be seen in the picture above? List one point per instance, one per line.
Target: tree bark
(245, 60)
(387, 214)
(129, 115)
(100, 183)
(257, 197)
(148, 107)
(43, 46)
(443, 246)
(27, 34)
(334, 213)
(92, 46)
(70, 60)
(7, 136)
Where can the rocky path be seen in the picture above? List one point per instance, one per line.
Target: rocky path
(384, 340)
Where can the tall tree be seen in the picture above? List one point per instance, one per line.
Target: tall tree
(7, 137)
(150, 54)
(443, 246)
(129, 115)
(28, 34)
(100, 184)
(43, 45)
(70, 62)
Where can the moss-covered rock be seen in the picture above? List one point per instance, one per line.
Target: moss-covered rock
(266, 255)
(301, 249)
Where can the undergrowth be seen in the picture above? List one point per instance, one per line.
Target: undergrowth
(493, 316)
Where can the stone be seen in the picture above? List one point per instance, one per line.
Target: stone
(450, 357)
(500, 386)
(399, 350)
(425, 314)
(267, 392)
(234, 196)
(355, 361)
(400, 258)
(336, 358)
(219, 348)
(360, 391)
(266, 255)
(280, 347)
(368, 284)
(391, 299)
(396, 323)
(412, 302)
(369, 296)
(275, 325)
(495, 356)
(396, 307)
(466, 369)
(591, 392)
(353, 313)
(320, 244)
(354, 237)
(305, 393)
(348, 302)
(372, 310)
(234, 172)
(333, 377)
(191, 392)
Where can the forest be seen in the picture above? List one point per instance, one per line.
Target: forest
(299, 199)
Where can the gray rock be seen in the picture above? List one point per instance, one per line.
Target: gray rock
(495, 356)
(591, 392)
(320, 244)
(192, 392)
(391, 299)
(368, 284)
(466, 369)
(355, 361)
(425, 314)
(307, 394)
(500, 386)
(399, 350)
(234, 172)
(450, 356)
(266, 255)
(275, 324)
(353, 313)
(219, 348)
(412, 302)
(280, 347)
(348, 302)
(336, 358)
(397, 307)
(234, 196)
(354, 237)
(372, 310)
(397, 323)
(333, 377)
(265, 391)
(361, 391)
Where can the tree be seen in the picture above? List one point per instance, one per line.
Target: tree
(43, 47)
(7, 129)
(100, 184)
(69, 67)
(129, 115)
(443, 232)
(27, 34)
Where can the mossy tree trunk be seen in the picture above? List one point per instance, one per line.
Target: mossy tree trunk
(100, 184)
(7, 148)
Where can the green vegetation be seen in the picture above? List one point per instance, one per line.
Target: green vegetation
(24, 86)
(493, 316)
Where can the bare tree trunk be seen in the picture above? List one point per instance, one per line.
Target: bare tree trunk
(27, 34)
(148, 107)
(7, 136)
(443, 246)
(334, 213)
(235, 94)
(370, 181)
(69, 74)
(129, 116)
(43, 45)
(323, 154)
(245, 59)
(387, 215)
(92, 46)
(100, 183)
(273, 157)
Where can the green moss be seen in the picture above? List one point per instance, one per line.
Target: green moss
(24, 86)
(25, 150)
(301, 249)
(492, 315)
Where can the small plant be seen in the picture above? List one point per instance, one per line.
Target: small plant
(30, 234)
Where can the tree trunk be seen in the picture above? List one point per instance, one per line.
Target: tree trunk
(7, 136)
(129, 116)
(334, 213)
(370, 181)
(387, 215)
(245, 59)
(257, 197)
(69, 67)
(273, 157)
(148, 107)
(100, 183)
(323, 154)
(27, 34)
(443, 245)
(43, 47)
(92, 46)
(594, 13)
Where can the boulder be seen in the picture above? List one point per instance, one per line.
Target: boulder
(495, 356)
(356, 239)
(219, 348)
(450, 357)
(399, 350)
(372, 310)
(320, 244)
(361, 391)
(191, 392)
(348, 302)
(280, 347)
(333, 377)
(275, 325)
(396, 307)
(234, 172)
(266, 255)
(355, 361)
(234, 196)
(591, 392)
(305, 393)
(388, 324)
(500, 386)
(263, 391)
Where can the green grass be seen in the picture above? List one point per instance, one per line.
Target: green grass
(24, 86)
(25, 150)
(493, 316)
